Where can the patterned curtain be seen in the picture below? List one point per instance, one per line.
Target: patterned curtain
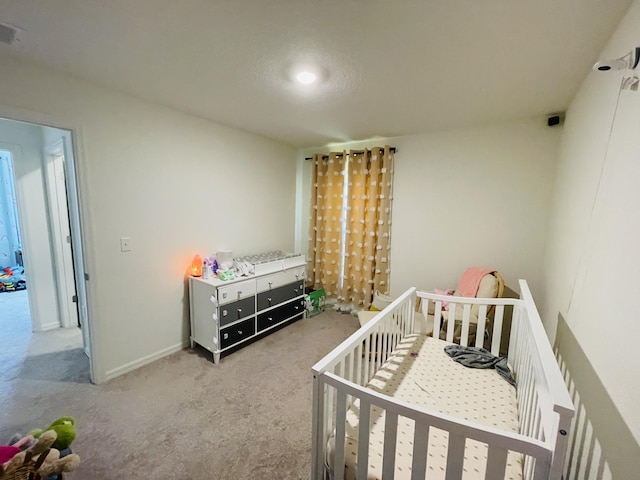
(368, 228)
(350, 235)
(9, 232)
(325, 229)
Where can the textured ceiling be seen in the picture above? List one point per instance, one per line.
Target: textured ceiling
(390, 67)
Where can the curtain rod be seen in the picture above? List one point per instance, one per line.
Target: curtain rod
(393, 149)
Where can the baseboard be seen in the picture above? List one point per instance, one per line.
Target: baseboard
(49, 326)
(129, 367)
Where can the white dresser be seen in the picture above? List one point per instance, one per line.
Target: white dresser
(226, 315)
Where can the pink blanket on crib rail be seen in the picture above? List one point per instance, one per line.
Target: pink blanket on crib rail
(470, 280)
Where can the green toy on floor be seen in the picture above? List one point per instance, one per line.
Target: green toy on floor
(64, 428)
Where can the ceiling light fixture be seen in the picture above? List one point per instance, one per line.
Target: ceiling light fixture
(306, 77)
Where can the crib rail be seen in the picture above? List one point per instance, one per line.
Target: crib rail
(375, 341)
(499, 442)
(544, 406)
(356, 360)
(481, 318)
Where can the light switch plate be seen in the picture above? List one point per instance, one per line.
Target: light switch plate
(125, 244)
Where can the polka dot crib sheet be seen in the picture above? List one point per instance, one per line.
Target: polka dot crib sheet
(421, 373)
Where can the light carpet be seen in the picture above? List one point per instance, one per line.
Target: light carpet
(183, 417)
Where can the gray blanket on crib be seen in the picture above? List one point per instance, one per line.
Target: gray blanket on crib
(476, 357)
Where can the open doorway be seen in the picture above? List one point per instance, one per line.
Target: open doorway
(46, 322)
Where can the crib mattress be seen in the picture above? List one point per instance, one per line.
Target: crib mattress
(420, 372)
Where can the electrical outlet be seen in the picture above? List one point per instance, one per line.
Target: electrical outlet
(125, 244)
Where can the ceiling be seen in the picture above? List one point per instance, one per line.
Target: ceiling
(390, 67)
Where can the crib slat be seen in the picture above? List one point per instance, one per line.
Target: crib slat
(437, 316)
(349, 374)
(533, 411)
(496, 462)
(527, 392)
(451, 321)
(320, 394)
(420, 450)
(330, 405)
(328, 408)
(385, 341)
(464, 338)
(374, 354)
(425, 314)
(516, 327)
(367, 359)
(378, 350)
(341, 414)
(363, 439)
(497, 330)
(390, 439)
(411, 318)
(455, 456)
(527, 467)
(529, 401)
(359, 364)
(482, 322)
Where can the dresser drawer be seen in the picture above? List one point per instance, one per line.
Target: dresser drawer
(237, 333)
(278, 295)
(278, 279)
(279, 314)
(236, 291)
(234, 311)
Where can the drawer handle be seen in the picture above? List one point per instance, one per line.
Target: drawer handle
(239, 312)
(270, 319)
(239, 293)
(296, 307)
(295, 290)
(226, 335)
(269, 300)
(239, 332)
(297, 276)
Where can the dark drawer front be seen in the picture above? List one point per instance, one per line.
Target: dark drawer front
(278, 314)
(232, 312)
(278, 295)
(238, 332)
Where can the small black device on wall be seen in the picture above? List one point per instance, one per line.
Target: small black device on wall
(555, 119)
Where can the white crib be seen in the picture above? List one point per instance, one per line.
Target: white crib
(348, 394)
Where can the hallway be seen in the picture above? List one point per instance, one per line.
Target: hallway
(34, 365)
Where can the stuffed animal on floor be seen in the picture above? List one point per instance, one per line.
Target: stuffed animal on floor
(40, 458)
(64, 428)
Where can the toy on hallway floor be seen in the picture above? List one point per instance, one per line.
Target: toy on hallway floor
(21, 442)
(38, 461)
(12, 278)
(65, 430)
(7, 452)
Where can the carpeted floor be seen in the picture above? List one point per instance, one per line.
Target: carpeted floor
(183, 417)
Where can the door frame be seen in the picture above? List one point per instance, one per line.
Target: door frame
(79, 218)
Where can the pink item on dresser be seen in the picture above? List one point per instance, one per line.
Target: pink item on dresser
(470, 280)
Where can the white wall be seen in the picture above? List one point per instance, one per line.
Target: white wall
(475, 196)
(26, 142)
(177, 185)
(591, 269)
